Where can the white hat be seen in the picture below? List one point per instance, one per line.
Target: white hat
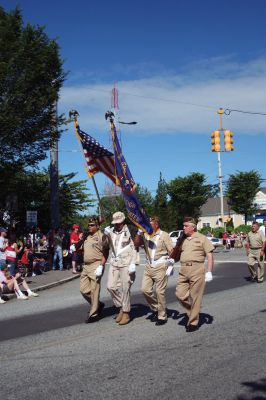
(118, 217)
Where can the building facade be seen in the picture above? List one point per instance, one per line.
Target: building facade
(211, 212)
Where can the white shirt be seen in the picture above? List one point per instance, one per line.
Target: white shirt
(2, 253)
(262, 228)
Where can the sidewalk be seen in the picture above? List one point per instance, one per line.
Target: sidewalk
(48, 280)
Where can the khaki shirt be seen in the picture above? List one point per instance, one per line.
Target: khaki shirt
(256, 239)
(195, 248)
(94, 246)
(124, 248)
(161, 243)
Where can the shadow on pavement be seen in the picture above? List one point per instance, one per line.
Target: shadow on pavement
(257, 390)
(203, 319)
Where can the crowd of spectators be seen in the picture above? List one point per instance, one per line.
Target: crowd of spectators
(33, 254)
(11, 278)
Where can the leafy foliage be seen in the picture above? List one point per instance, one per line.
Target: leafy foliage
(32, 191)
(187, 195)
(241, 190)
(31, 75)
(161, 203)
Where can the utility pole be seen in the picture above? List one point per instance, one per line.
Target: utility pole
(54, 199)
(220, 177)
(216, 147)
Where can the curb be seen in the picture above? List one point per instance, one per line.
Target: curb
(56, 283)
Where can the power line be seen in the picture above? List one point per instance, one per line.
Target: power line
(158, 98)
(228, 111)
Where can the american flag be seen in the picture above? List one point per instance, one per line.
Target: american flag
(98, 158)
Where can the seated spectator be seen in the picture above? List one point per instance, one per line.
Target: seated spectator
(30, 264)
(39, 265)
(9, 283)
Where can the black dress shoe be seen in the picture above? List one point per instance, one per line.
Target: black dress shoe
(153, 317)
(160, 322)
(90, 320)
(192, 328)
(100, 308)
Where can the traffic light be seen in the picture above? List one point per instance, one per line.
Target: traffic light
(216, 145)
(228, 141)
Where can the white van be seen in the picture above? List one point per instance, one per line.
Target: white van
(174, 236)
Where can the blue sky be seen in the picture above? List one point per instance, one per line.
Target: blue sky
(174, 63)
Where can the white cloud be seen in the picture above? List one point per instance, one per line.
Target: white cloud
(179, 103)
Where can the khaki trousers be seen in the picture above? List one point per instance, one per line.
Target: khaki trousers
(155, 276)
(253, 258)
(189, 290)
(90, 287)
(118, 284)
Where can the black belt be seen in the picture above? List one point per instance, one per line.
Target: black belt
(255, 248)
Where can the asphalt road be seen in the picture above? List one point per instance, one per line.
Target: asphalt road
(46, 350)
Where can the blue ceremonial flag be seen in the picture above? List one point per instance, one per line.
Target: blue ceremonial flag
(136, 213)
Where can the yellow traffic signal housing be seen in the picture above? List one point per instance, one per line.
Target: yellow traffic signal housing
(228, 141)
(216, 142)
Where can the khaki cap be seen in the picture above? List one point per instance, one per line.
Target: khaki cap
(190, 220)
(118, 217)
(93, 220)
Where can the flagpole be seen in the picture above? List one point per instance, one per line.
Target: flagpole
(110, 115)
(74, 114)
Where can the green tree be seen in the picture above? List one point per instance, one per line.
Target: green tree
(32, 191)
(73, 198)
(241, 191)
(145, 198)
(187, 195)
(31, 75)
(115, 202)
(161, 203)
(111, 204)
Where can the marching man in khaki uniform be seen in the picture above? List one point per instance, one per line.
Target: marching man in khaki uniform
(157, 270)
(192, 274)
(96, 249)
(122, 267)
(255, 247)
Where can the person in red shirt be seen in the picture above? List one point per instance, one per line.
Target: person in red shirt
(225, 239)
(76, 255)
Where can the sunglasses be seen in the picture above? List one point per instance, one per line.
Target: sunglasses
(91, 224)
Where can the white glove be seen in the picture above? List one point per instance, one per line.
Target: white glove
(139, 232)
(107, 230)
(99, 271)
(72, 248)
(132, 269)
(169, 271)
(208, 277)
(170, 262)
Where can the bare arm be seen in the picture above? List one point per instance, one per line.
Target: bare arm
(210, 261)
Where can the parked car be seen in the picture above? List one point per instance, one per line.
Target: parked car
(215, 241)
(174, 236)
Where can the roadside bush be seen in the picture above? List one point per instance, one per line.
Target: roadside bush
(243, 228)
